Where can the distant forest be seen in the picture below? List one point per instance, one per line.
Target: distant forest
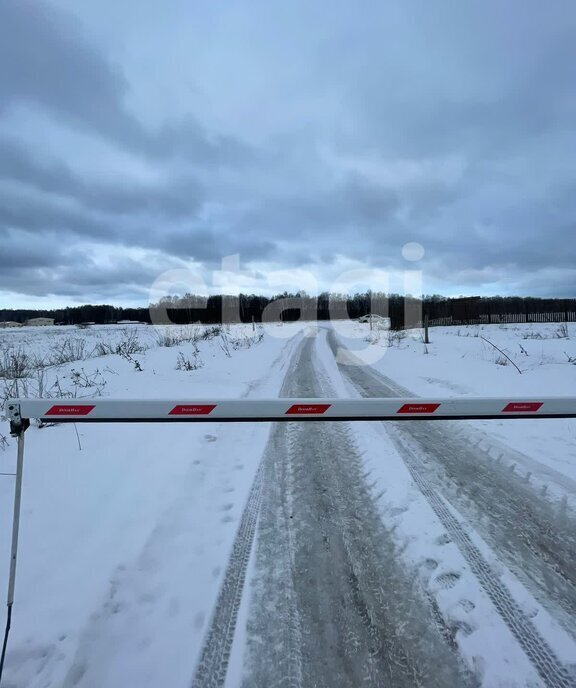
(403, 311)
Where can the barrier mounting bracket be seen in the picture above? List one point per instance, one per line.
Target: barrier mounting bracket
(17, 423)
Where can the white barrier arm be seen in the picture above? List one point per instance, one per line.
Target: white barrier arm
(262, 410)
(20, 411)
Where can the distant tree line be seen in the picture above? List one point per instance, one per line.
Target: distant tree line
(77, 314)
(403, 311)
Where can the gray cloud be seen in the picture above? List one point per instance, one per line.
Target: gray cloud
(304, 138)
(24, 250)
(175, 199)
(73, 273)
(44, 60)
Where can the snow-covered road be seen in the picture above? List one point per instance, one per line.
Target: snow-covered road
(333, 599)
(298, 555)
(356, 614)
(537, 542)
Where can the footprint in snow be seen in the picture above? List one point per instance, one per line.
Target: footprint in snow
(447, 580)
(462, 627)
(467, 605)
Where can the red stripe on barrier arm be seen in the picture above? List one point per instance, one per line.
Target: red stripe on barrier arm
(301, 409)
(418, 408)
(522, 406)
(69, 410)
(192, 410)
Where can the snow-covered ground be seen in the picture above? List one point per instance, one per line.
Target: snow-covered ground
(127, 529)
(129, 534)
(459, 362)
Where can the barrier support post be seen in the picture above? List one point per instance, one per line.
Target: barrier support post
(18, 427)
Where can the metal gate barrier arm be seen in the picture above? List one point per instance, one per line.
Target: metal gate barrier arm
(20, 411)
(262, 410)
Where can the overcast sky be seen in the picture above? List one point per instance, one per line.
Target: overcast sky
(146, 136)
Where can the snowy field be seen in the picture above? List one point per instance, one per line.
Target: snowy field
(459, 362)
(452, 540)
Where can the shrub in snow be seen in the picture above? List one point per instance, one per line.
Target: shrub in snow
(192, 363)
(82, 379)
(396, 337)
(173, 335)
(70, 350)
(225, 344)
(130, 344)
(15, 363)
(210, 332)
(246, 341)
(127, 346)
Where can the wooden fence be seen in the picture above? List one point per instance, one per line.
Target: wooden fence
(480, 311)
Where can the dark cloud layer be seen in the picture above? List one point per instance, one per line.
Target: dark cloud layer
(45, 60)
(312, 138)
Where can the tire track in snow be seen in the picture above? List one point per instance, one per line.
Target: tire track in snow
(543, 658)
(551, 670)
(282, 641)
(213, 663)
(212, 666)
(332, 604)
(536, 542)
